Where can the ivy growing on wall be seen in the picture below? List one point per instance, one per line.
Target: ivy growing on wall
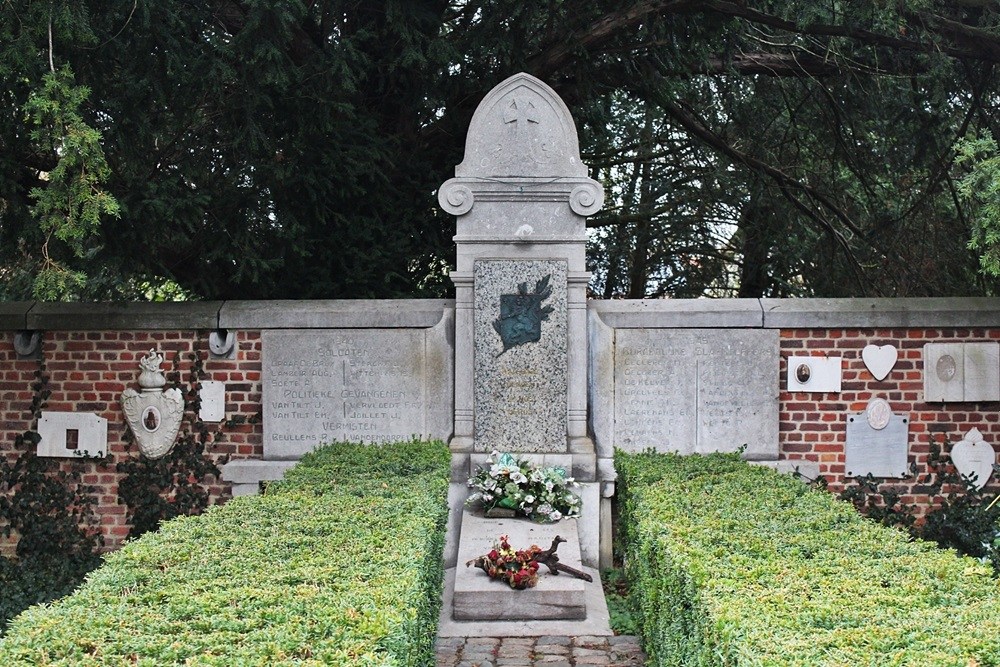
(964, 518)
(174, 485)
(50, 511)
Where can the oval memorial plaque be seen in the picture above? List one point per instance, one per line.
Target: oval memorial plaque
(878, 413)
(946, 367)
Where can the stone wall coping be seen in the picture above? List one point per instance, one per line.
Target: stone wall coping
(14, 315)
(857, 313)
(334, 314)
(125, 316)
(211, 315)
(870, 313)
(679, 313)
(865, 313)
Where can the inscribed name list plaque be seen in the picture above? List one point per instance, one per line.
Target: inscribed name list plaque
(520, 348)
(877, 442)
(341, 385)
(697, 390)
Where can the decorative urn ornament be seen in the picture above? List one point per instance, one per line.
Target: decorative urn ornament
(154, 414)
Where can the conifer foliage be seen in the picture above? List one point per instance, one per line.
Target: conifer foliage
(291, 148)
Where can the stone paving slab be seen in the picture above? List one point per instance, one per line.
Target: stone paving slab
(597, 623)
(545, 651)
(478, 598)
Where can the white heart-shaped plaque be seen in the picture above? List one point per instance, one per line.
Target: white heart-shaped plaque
(974, 458)
(879, 359)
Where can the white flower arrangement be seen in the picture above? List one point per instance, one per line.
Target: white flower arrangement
(541, 494)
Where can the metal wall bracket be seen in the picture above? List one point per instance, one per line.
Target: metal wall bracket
(222, 344)
(28, 344)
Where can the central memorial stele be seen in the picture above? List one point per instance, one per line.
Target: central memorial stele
(521, 197)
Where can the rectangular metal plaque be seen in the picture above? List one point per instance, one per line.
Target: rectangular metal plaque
(878, 452)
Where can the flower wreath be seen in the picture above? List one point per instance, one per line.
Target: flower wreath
(517, 568)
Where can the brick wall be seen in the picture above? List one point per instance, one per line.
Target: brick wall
(89, 366)
(88, 371)
(813, 426)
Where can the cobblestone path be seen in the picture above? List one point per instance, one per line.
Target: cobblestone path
(620, 651)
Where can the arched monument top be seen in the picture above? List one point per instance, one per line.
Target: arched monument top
(522, 128)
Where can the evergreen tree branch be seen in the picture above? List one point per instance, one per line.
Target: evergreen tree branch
(786, 184)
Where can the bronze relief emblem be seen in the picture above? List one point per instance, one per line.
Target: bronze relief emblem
(522, 314)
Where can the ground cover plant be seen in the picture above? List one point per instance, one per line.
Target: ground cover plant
(733, 564)
(340, 564)
(964, 517)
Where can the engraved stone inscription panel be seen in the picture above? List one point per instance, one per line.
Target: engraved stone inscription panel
(341, 384)
(697, 390)
(520, 365)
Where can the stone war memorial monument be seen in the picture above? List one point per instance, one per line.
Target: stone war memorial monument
(521, 363)
(521, 197)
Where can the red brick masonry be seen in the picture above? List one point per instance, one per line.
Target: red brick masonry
(813, 426)
(89, 369)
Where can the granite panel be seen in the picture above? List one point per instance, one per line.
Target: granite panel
(520, 390)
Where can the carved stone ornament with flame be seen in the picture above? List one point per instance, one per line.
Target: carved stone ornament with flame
(154, 414)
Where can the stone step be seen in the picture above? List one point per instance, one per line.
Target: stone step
(479, 598)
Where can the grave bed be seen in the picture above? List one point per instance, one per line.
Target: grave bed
(339, 564)
(734, 564)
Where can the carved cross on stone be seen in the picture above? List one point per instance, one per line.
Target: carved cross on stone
(518, 110)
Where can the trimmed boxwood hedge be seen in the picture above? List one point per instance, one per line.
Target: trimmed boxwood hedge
(340, 564)
(733, 564)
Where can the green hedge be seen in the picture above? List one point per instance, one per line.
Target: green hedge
(734, 564)
(36, 579)
(338, 565)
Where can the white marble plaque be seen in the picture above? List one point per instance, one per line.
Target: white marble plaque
(880, 452)
(944, 372)
(821, 374)
(72, 434)
(213, 401)
(982, 372)
(879, 360)
(696, 390)
(961, 372)
(974, 458)
(361, 385)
